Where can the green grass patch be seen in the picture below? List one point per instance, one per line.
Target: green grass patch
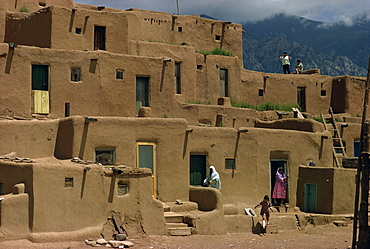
(216, 51)
(265, 106)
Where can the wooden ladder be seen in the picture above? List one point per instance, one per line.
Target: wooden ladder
(338, 147)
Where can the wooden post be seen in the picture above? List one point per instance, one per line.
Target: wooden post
(363, 217)
(363, 148)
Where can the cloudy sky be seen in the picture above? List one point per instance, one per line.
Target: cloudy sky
(239, 11)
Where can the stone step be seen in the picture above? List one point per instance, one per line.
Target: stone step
(176, 225)
(166, 208)
(284, 209)
(271, 229)
(171, 217)
(179, 231)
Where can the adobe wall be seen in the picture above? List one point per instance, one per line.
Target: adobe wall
(98, 92)
(282, 89)
(335, 188)
(32, 29)
(350, 134)
(86, 204)
(206, 115)
(344, 194)
(208, 77)
(178, 54)
(194, 31)
(66, 21)
(26, 138)
(348, 94)
(122, 134)
(253, 151)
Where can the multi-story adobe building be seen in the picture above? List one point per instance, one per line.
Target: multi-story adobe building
(83, 84)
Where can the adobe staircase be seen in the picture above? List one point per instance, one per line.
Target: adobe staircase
(175, 222)
(338, 147)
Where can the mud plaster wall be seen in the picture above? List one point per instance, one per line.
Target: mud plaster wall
(178, 54)
(122, 134)
(28, 139)
(207, 115)
(195, 31)
(97, 93)
(208, 78)
(348, 95)
(344, 194)
(32, 29)
(350, 134)
(281, 89)
(91, 199)
(252, 154)
(335, 188)
(65, 22)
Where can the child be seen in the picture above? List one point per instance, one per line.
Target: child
(265, 210)
(298, 67)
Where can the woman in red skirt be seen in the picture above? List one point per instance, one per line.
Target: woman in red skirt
(279, 192)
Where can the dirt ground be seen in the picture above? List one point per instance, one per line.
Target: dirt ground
(311, 237)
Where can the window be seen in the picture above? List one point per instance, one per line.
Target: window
(105, 156)
(199, 67)
(122, 188)
(217, 37)
(323, 92)
(75, 74)
(78, 31)
(179, 29)
(68, 182)
(260, 92)
(230, 163)
(119, 74)
(178, 78)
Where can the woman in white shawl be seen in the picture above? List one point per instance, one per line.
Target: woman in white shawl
(213, 179)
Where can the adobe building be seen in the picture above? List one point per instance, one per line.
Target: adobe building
(107, 111)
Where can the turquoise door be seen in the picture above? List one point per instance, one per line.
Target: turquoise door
(146, 158)
(142, 92)
(198, 165)
(310, 197)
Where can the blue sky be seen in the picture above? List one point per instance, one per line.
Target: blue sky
(239, 11)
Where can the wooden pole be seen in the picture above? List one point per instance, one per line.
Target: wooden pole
(363, 145)
(363, 216)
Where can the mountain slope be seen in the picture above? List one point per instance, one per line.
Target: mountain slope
(335, 49)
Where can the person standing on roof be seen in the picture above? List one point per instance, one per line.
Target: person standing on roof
(285, 60)
(213, 179)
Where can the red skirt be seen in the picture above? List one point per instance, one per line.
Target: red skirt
(279, 191)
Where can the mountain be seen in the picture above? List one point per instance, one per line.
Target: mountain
(336, 49)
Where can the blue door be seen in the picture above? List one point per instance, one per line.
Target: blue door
(310, 197)
(356, 148)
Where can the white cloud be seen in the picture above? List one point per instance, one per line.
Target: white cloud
(247, 10)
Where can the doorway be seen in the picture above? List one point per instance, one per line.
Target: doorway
(40, 89)
(224, 82)
(142, 92)
(310, 197)
(146, 158)
(198, 169)
(99, 38)
(301, 98)
(274, 165)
